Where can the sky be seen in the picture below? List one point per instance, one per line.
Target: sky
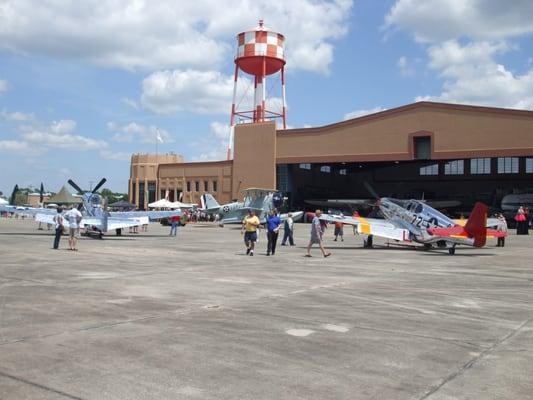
(84, 84)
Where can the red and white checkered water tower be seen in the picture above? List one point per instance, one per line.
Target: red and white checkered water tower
(260, 53)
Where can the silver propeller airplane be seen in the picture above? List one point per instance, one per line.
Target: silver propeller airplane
(95, 218)
(409, 221)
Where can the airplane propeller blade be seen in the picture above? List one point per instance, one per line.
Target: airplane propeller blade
(99, 185)
(73, 184)
(371, 190)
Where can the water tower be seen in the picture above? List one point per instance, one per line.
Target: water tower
(260, 53)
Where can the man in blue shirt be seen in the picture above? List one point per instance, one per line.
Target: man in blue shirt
(273, 224)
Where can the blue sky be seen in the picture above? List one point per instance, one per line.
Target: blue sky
(85, 84)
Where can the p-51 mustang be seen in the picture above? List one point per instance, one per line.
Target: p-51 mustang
(95, 218)
(259, 200)
(414, 221)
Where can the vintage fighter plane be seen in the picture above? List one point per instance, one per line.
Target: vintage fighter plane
(259, 200)
(96, 220)
(411, 221)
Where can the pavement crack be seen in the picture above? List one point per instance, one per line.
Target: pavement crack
(469, 364)
(40, 386)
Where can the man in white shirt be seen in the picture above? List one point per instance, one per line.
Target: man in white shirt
(73, 216)
(288, 230)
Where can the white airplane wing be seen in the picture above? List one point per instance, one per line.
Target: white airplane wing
(152, 215)
(28, 210)
(371, 226)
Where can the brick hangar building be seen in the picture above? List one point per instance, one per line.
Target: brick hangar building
(425, 149)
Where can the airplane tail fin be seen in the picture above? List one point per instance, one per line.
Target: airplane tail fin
(209, 202)
(476, 226)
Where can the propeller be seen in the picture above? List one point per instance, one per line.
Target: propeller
(73, 184)
(99, 185)
(371, 190)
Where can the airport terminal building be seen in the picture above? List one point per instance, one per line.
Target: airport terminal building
(425, 149)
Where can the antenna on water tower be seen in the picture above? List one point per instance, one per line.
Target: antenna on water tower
(260, 52)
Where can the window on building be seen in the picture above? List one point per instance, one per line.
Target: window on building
(342, 171)
(480, 166)
(188, 186)
(529, 165)
(305, 166)
(422, 147)
(215, 186)
(455, 167)
(508, 165)
(206, 186)
(432, 169)
(325, 168)
(197, 186)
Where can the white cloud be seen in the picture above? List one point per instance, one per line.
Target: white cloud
(63, 126)
(464, 40)
(130, 103)
(134, 132)
(13, 146)
(438, 20)
(63, 140)
(406, 69)
(3, 85)
(167, 34)
(214, 146)
(115, 155)
(360, 113)
(194, 91)
(15, 116)
(59, 134)
(472, 76)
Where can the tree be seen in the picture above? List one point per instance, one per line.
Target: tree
(13, 194)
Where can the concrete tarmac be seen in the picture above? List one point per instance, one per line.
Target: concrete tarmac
(150, 316)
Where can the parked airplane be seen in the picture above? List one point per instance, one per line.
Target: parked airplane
(414, 221)
(512, 202)
(95, 218)
(259, 200)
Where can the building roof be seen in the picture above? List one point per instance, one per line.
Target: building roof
(411, 107)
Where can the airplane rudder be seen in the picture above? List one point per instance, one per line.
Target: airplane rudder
(476, 225)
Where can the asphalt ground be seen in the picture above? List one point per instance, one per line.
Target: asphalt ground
(149, 316)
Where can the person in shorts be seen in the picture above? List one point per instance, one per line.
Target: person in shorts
(339, 231)
(250, 225)
(73, 216)
(316, 235)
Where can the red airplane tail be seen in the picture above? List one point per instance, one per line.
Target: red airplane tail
(476, 226)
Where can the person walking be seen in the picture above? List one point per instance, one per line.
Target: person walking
(316, 235)
(175, 222)
(74, 218)
(273, 225)
(339, 231)
(502, 227)
(250, 224)
(58, 220)
(288, 231)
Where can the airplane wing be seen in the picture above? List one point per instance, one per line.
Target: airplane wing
(371, 226)
(28, 210)
(152, 215)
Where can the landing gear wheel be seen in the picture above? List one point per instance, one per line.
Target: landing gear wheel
(451, 250)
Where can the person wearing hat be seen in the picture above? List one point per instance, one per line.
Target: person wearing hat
(250, 223)
(58, 220)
